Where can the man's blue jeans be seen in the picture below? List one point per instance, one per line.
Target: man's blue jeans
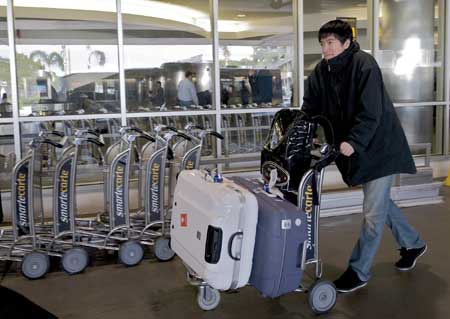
(379, 209)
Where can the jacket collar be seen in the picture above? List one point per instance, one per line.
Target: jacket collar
(339, 62)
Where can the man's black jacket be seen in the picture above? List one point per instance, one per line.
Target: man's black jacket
(349, 91)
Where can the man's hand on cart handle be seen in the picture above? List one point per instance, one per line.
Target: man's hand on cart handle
(346, 149)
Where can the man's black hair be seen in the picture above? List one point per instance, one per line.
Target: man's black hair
(340, 29)
(188, 74)
(159, 82)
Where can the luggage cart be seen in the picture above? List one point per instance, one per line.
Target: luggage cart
(136, 159)
(187, 154)
(22, 244)
(321, 293)
(156, 214)
(115, 236)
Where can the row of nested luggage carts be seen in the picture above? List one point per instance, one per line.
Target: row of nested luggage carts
(32, 238)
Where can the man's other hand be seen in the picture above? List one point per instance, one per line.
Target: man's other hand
(346, 149)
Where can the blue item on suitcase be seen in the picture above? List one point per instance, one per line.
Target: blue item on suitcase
(280, 245)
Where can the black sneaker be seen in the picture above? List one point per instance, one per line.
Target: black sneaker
(409, 257)
(349, 281)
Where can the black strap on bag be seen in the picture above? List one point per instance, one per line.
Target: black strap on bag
(327, 127)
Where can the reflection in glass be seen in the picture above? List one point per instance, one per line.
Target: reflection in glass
(91, 156)
(411, 53)
(67, 65)
(411, 61)
(319, 12)
(417, 121)
(207, 122)
(256, 53)
(7, 155)
(5, 78)
(163, 41)
(245, 133)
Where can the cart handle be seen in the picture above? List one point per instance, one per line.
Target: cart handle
(215, 134)
(94, 141)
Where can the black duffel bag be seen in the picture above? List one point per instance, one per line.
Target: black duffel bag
(288, 147)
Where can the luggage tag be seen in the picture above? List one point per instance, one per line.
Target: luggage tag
(269, 189)
(272, 182)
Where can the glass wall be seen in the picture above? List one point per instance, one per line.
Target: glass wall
(245, 133)
(7, 155)
(422, 132)
(5, 78)
(168, 55)
(67, 60)
(411, 54)
(91, 156)
(319, 12)
(256, 53)
(148, 124)
(411, 59)
(67, 57)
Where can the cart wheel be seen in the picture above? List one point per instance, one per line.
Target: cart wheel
(75, 260)
(131, 253)
(35, 265)
(208, 298)
(162, 249)
(322, 296)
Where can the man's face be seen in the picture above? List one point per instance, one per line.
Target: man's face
(332, 47)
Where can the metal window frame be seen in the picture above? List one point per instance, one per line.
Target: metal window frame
(169, 114)
(299, 61)
(13, 74)
(416, 104)
(447, 79)
(68, 117)
(298, 69)
(120, 48)
(214, 18)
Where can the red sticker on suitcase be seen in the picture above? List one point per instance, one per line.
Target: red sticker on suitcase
(183, 220)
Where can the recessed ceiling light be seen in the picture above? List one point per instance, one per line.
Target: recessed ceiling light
(241, 15)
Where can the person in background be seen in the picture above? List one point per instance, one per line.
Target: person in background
(5, 107)
(245, 93)
(157, 95)
(187, 93)
(4, 99)
(224, 96)
(347, 88)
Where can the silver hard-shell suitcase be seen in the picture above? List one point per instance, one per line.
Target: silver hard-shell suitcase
(213, 229)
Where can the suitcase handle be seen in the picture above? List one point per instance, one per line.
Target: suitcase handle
(230, 245)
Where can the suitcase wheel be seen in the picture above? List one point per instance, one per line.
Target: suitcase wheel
(322, 296)
(208, 298)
